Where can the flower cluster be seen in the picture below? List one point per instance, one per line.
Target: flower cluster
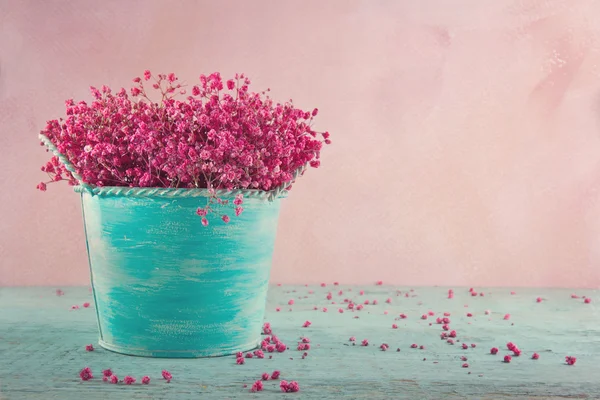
(221, 136)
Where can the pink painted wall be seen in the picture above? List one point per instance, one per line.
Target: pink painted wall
(466, 133)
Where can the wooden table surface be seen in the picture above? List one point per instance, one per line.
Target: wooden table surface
(42, 348)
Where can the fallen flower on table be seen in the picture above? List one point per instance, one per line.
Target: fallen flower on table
(394, 326)
(352, 339)
(289, 387)
(587, 300)
(535, 356)
(259, 354)
(257, 386)
(249, 355)
(507, 359)
(106, 374)
(281, 347)
(267, 328)
(570, 360)
(74, 307)
(494, 350)
(275, 374)
(240, 360)
(128, 380)
(265, 376)
(146, 380)
(86, 305)
(414, 346)
(365, 342)
(303, 346)
(167, 375)
(306, 324)
(465, 365)
(114, 379)
(384, 347)
(89, 347)
(506, 317)
(86, 374)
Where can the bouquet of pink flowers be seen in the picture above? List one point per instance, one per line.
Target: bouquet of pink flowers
(220, 137)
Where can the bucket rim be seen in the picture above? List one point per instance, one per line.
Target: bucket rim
(126, 191)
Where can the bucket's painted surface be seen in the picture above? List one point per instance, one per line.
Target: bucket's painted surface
(166, 286)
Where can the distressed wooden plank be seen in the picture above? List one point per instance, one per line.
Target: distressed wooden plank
(42, 348)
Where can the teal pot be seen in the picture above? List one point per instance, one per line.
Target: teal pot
(164, 285)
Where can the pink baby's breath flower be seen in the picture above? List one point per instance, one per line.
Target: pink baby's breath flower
(89, 347)
(195, 142)
(86, 374)
(107, 373)
(306, 324)
(365, 342)
(535, 356)
(265, 376)
(587, 300)
(280, 347)
(75, 307)
(249, 355)
(291, 302)
(167, 375)
(352, 339)
(86, 305)
(259, 354)
(257, 386)
(114, 379)
(394, 326)
(42, 186)
(128, 380)
(570, 360)
(289, 387)
(146, 380)
(275, 374)
(494, 350)
(225, 219)
(240, 360)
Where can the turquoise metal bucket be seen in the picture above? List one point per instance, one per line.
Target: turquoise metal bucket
(166, 286)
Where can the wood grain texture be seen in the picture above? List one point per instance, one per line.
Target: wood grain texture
(166, 286)
(42, 348)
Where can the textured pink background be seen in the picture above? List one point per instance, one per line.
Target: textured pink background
(466, 133)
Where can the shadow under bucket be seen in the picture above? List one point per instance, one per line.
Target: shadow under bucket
(166, 286)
